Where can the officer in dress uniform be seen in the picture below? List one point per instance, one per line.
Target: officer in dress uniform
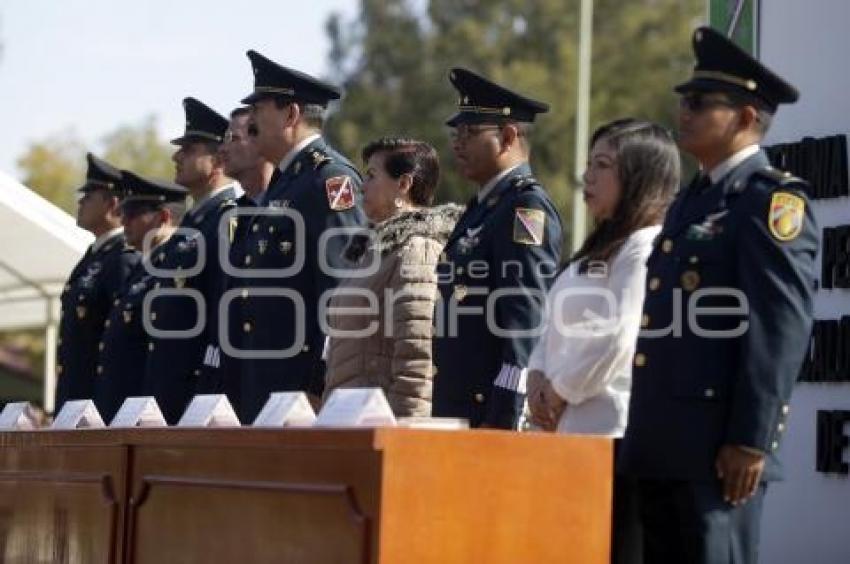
(93, 284)
(727, 318)
(284, 265)
(191, 266)
(244, 163)
(151, 208)
(502, 257)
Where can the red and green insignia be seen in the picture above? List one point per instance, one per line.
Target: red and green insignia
(340, 190)
(785, 218)
(529, 225)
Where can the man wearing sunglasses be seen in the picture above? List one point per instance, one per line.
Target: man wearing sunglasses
(244, 163)
(712, 384)
(242, 159)
(501, 258)
(151, 211)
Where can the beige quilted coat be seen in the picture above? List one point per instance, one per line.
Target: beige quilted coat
(394, 351)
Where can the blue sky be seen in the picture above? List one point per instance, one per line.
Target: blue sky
(91, 66)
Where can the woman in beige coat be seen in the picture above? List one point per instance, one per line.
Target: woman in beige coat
(380, 321)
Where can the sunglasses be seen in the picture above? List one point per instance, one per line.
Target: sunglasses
(467, 132)
(696, 102)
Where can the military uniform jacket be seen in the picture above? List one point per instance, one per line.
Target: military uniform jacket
(281, 279)
(221, 372)
(503, 251)
(747, 244)
(174, 364)
(86, 300)
(124, 346)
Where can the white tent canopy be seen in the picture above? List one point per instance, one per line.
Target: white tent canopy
(39, 245)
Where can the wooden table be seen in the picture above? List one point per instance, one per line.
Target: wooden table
(386, 495)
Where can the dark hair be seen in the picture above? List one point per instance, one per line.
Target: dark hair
(764, 115)
(240, 111)
(177, 209)
(312, 114)
(648, 166)
(409, 156)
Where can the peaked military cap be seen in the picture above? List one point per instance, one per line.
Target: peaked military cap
(100, 175)
(484, 101)
(724, 67)
(274, 80)
(139, 190)
(202, 123)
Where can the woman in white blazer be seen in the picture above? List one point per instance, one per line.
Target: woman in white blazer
(580, 371)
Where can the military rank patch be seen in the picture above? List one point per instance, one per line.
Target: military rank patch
(785, 217)
(340, 190)
(529, 225)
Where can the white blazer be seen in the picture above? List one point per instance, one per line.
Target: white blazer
(592, 325)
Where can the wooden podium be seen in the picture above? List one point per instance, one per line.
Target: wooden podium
(385, 495)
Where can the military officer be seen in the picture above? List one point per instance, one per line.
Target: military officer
(498, 263)
(243, 162)
(727, 318)
(152, 209)
(94, 282)
(284, 265)
(242, 159)
(191, 273)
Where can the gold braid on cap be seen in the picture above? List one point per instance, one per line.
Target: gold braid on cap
(204, 134)
(275, 90)
(505, 111)
(745, 83)
(133, 197)
(100, 184)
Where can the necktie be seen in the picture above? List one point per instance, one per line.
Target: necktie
(699, 183)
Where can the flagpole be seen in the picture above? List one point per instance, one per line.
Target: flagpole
(579, 227)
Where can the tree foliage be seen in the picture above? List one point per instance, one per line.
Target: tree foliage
(55, 167)
(393, 61)
(140, 149)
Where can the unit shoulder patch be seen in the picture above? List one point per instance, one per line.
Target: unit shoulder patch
(529, 226)
(786, 215)
(340, 192)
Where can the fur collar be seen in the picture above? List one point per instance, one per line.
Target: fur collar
(433, 223)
